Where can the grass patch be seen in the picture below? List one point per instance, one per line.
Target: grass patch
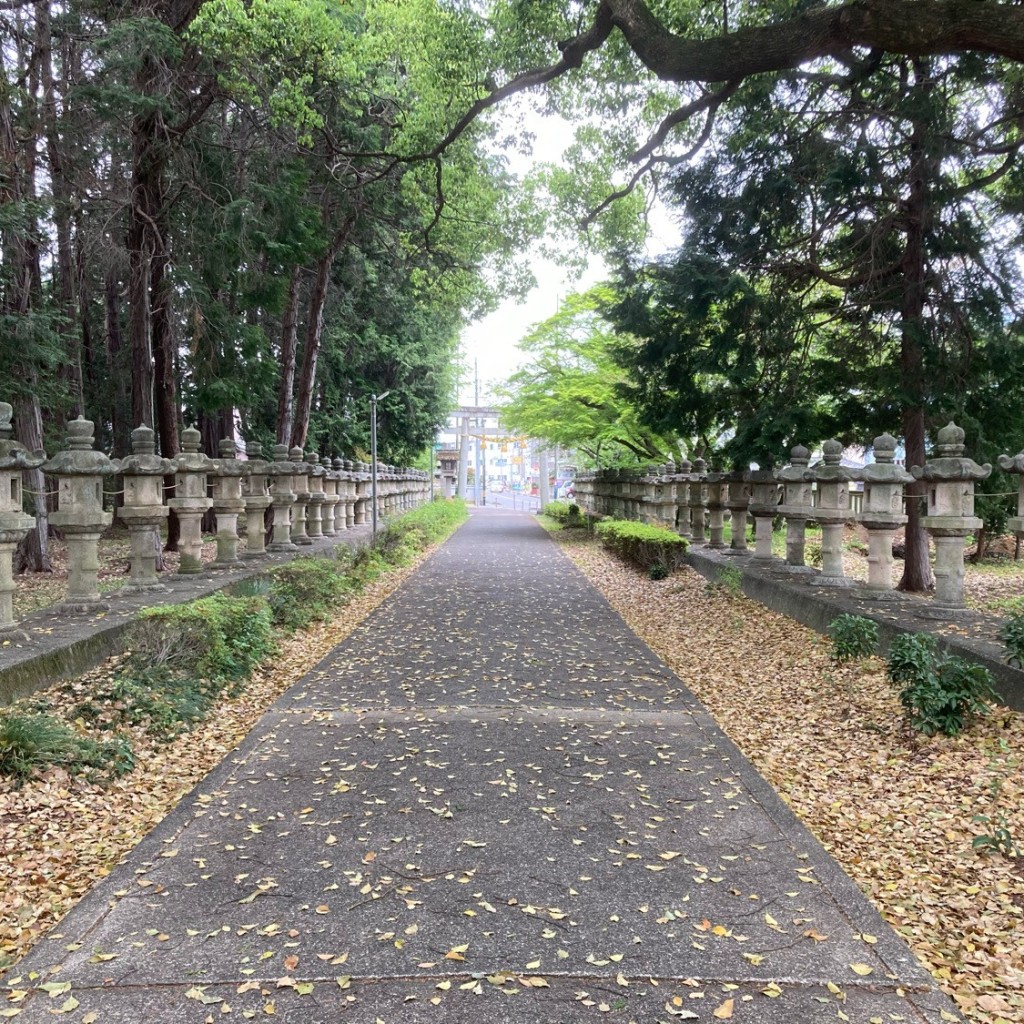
(37, 741)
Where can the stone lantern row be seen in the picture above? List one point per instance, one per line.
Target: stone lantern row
(683, 496)
(310, 496)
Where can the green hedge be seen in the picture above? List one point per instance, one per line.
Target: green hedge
(645, 546)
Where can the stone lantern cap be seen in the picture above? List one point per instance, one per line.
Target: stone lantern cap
(330, 470)
(80, 458)
(279, 464)
(143, 460)
(227, 465)
(883, 470)
(683, 466)
(14, 455)
(830, 470)
(190, 459)
(255, 464)
(313, 461)
(1007, 463)
(796, 470)
(950, 464)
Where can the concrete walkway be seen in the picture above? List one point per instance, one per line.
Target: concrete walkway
(491, 803)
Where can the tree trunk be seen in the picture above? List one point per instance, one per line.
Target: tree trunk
(33, 553)
(144, 242)
(289, 339)
(117, 365)
(917, 572)
(63, 271)
(315, 333)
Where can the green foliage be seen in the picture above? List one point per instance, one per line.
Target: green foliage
(641, 544)
(940, 692)
(434, 520)
(729, 580)
(998, 838)
(658, 572)
(217, 637)
(566, 513)
(1012, 635)
(570, 392)
(36, 741)
(853, 636)
(163, 702)
(911, 656)
(306, 590)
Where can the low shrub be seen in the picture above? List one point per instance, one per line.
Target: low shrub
(853, 636)
(306, 590)
(940, 692)
(32, 741)
(658, 572)
(568, 513)
(162, 702)
(216, 637)
(641, 544)
(1012, 635)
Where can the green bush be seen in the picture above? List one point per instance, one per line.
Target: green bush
(658, 572)
(641, 544)
(853, 636)
(568, 513)
(306, 590)
(911, 656)
(217, 637)
(32, 741)
(1012, 635)
(940, 692)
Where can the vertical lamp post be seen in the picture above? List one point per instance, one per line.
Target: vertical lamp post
(374, 399)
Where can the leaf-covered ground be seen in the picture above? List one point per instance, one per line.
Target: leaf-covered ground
(60, 834)
(896, 810)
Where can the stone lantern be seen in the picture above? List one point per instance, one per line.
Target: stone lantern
(1015, 464)
(14, 522)
(280, 472)
(341, 510)
(349, 480)
(950, 478)
(227, 502)
(833, 512)
(256, 498)
(144, 510)
(315, 497)
(682, 496)
(718, 495)
(362, 478)
(882, 514)
(764, 507)
(797, 506)
(698, 499)
(190, 501)
(300, 485)
(737, 502)
(80, 471)
(331, 498)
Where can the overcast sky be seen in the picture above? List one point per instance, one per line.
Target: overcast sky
(491, 341)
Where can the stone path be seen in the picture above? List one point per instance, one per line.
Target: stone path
(492, 802)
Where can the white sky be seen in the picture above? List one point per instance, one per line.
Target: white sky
(491, 341)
